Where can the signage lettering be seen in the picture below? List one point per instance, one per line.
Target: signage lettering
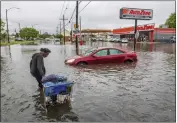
(145, 27)
(133, 13)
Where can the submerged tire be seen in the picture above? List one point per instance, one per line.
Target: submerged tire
(128, 61)
(82, 64)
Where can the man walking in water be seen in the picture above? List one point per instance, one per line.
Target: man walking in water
(37, 67)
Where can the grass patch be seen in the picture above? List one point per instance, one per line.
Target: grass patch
(16, 42)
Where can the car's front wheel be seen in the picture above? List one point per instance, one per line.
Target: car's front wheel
(82, 64)
(128, 61)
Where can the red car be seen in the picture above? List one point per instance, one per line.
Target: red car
(103, 55)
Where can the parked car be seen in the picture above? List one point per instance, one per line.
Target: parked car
(100, 39)
(112, 40)
(173, 39)
(18, 39)
(109, 39)
(103, 55)
(116, 39)
(124, 40)
(57, 40)
(93, 39)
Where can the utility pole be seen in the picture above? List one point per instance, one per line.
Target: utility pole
(64, 26)
(19, 27)
(135, 34)
(60, 27)
(57, 30)
(71, 32)
(77, 7)
(7, 27)
(80, 27)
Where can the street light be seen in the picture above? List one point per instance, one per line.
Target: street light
(7, 21)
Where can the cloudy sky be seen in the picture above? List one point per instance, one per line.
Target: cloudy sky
(97, 15)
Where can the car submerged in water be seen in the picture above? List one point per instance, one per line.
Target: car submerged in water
(102, 56)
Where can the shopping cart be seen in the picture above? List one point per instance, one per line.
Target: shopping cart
(57, 92)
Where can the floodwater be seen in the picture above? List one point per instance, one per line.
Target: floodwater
(144, 91)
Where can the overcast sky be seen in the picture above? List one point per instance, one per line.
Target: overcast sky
(97, 15)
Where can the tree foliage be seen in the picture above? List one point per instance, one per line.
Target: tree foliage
(2, 25)
(28, 33)
(60, 36)
(2, 32)
(17, 35)
(171, 21)
(44, 36)
(160, 26)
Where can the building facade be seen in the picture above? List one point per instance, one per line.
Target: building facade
(147, 32)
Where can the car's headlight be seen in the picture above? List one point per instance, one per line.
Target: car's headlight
(70, 61)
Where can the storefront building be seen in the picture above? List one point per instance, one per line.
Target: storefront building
(147, 32)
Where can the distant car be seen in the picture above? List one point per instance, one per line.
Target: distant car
(93, 39)
(112, 40)
(173, 39)
(100, 39)
(97, 39)
(108, 39)
(124, 40)
(18, 39)
(102, 56)
(57, 40)
(116, 39)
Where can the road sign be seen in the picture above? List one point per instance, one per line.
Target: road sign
(137, 35)
(75, 26)
(76, 31)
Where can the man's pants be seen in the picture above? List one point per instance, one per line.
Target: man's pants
(38, 78)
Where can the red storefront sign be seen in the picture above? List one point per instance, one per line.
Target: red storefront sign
(130, 30)
(146, 27)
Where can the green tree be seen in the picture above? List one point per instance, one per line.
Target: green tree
(2, 25)
(160, 26)
(60, 36)
(171, 21)
(2, 32)
(17, 35)
(44, 36)
(28, 33)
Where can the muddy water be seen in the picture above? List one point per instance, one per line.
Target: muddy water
(144, 91)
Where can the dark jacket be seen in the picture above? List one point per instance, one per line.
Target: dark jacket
(37, 65)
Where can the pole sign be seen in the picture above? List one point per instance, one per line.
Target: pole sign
(137, 35)
(75, 26)
(76, 32)
(135, 13)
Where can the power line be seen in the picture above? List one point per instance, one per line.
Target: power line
(72, 14)
(79, 12)
(66, 7)
(85, 6)
(62, 9)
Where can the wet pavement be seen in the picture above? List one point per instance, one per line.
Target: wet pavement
(144, 91)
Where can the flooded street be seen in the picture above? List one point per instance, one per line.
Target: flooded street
(144, 91)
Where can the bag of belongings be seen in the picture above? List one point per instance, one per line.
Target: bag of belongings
(53, 78)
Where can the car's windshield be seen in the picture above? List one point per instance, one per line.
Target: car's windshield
(88, 52)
